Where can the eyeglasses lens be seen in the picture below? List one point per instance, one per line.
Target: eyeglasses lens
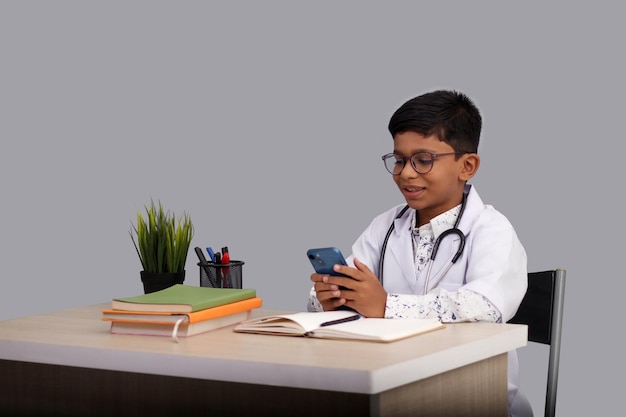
(422, 162)
(393, 164)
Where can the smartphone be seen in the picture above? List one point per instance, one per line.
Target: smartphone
(323, 259)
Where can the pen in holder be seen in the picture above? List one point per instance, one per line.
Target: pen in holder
(221, 275)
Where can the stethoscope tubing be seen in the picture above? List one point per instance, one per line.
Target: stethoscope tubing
(454, 230)
(383, 249)
(459, 252)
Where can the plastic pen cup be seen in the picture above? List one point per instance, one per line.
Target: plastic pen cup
(221, 275)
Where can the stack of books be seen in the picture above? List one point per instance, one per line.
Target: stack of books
(181, 310)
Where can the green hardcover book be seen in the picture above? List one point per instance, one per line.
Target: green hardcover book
(181, 298)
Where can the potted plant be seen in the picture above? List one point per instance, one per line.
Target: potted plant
(162, 242)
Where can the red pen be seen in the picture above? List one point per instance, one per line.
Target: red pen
(226, 270)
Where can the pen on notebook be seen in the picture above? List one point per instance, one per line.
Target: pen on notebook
(339, 321)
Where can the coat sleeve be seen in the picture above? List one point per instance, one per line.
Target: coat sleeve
(497, 264)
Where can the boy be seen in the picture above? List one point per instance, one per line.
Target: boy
(435, 145)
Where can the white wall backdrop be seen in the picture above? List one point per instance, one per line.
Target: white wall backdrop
(266, 121)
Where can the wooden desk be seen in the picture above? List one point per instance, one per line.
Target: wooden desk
(67, 363)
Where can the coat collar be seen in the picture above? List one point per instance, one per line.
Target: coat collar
(473, 205)
(400, 242)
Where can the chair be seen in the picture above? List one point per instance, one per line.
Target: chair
(542, 310)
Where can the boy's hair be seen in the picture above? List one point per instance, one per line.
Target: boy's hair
(449, 115)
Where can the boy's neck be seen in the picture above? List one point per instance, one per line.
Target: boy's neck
(419, 223)
(423, 217)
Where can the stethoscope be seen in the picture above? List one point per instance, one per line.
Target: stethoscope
(453, 231)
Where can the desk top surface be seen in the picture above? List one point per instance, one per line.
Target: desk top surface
(78, 337)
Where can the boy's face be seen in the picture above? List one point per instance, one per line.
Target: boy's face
(440, 189)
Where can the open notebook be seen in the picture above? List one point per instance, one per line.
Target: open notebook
(338, 325)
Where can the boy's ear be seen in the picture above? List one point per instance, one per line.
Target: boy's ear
(471, 162)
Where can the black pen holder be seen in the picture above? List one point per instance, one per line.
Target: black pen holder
(221, 275)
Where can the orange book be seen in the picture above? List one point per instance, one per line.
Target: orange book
(171, 318)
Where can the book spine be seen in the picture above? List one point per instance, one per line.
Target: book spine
(198, 316)
(225, 310)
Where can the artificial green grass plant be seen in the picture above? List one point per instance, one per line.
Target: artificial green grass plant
(162, 239)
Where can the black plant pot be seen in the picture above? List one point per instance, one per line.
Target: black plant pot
(156, 281)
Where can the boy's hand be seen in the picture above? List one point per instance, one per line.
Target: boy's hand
(362, 290)
(327, 294)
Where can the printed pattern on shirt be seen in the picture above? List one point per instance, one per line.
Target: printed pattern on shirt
(448, 307)
(424, 236)
(314, 304)
(423, 243)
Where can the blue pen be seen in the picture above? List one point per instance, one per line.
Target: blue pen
(211, 253)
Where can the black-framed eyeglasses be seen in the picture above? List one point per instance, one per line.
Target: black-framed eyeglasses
(422, 162)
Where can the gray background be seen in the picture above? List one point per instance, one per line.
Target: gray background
(266, 122)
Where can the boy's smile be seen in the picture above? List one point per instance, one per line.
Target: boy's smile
(440, 189)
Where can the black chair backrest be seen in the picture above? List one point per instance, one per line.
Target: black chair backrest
(542, 310)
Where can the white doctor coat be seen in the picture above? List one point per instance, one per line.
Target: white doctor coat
(493, 264)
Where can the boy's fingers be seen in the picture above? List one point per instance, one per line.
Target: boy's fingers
(317, 277)
(361, 266)
(321, 286)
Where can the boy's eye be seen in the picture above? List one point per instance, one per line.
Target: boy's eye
(422, 159)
